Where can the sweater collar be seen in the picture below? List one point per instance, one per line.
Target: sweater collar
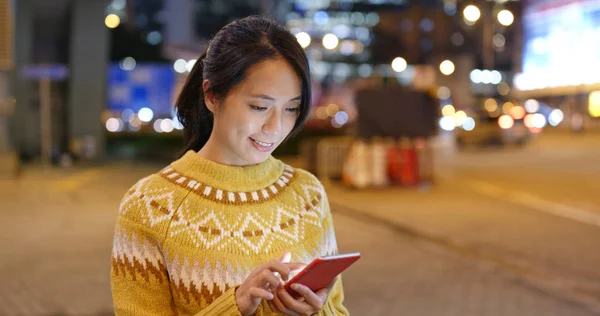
(226, 177)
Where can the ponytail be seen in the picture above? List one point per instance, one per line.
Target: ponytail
(192, 112)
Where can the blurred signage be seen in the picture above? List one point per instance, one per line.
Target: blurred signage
(52, 72)
(561, 46)
(150, 85)
(6, 36)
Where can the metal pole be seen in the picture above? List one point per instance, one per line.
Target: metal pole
(45, 121)
(488, 34)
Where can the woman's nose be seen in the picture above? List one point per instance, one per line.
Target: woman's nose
(273, 124)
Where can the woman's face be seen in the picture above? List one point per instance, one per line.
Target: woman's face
(256, 115)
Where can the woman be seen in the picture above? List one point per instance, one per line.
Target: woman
(214, 232)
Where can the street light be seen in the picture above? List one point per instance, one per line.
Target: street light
(471, 13)
(330, 41)
(399, 64)
(303, 39)
(447, 67)
(505, 17)
(112, 21)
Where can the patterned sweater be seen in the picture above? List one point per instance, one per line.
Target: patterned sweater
(186, 237)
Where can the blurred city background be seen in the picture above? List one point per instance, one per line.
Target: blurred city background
(459, 143)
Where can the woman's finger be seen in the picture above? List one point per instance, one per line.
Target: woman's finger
(256, 292)
(267, 277)
(309, 296)
(280, 306)
(279, 267)
(291, 303)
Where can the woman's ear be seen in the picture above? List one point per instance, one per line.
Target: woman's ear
(209, 96)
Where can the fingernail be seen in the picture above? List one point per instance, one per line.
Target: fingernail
(295, 286)
(270, 296)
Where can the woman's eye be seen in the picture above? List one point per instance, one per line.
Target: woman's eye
(294, 110)
(258, 108)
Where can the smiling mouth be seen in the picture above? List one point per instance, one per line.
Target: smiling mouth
(263, 144)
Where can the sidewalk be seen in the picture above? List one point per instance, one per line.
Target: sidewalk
(544, 251)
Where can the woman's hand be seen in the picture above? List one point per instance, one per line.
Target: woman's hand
(260, 284)
(307, 304)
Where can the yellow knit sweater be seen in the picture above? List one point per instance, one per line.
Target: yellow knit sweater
(187, 236)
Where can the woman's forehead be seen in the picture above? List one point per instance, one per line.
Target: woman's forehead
(272, 78)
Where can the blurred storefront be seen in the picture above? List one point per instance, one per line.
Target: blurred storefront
(8, 161)
(60, 55)
(561, 60)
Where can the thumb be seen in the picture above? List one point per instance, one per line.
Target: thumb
(286, 258)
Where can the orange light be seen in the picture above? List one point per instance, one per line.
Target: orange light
(535, 130)
(528, 121)
(517, 112)
(506, 122)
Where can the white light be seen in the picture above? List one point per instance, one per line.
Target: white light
(532, 106)
(505, 17)
(538, 120)
(447, 67)
(496, 77)
(447, 123)
(330, 41)
(486, 76)
(468, 124)
(555, 117)
(145, 115)
(128, 63)
(476, 76)
(365, 70)
(399, 64)
(303, 39)
(114, 125)
(471, 13)
(506, 122)
(157, 126)
(190, 64)
(166, 125)
(341, 118)
(180, 66)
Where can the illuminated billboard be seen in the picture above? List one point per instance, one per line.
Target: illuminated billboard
(561, 44)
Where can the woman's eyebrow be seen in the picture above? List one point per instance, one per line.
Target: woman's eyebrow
(270, 98)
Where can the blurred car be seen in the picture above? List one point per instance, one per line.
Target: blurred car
(493, 129)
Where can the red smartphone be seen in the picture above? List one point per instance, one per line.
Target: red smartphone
(321, 272)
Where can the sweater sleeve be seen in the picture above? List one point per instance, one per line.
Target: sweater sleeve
(334, 305)
(140, 281)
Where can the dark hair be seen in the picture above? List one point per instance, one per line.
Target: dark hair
(236, 47)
